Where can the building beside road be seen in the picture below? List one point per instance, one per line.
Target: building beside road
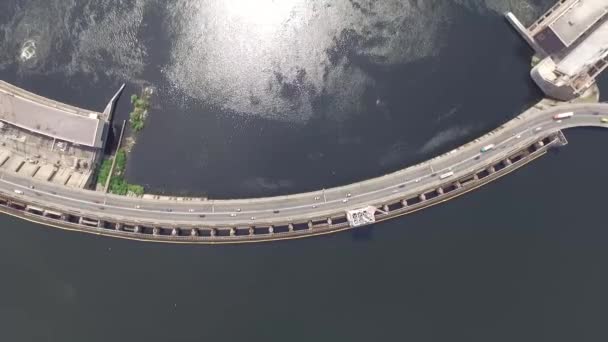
(571, 44)
(48, 140)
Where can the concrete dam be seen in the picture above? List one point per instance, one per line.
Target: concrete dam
(46, 163)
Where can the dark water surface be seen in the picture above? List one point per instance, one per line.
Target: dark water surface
(523, 259)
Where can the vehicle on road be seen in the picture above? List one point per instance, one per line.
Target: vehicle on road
(233, 215)
(604, 120)
(561, 116)
(19, 192)
(538, 129)
(487, 148)
(446, 175)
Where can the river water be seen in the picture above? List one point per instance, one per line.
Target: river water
(279, 97)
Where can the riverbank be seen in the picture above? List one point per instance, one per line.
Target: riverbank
(118, 185)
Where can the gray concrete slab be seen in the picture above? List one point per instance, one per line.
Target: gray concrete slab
(61, 177)
(45, 172)
(4, 156)
(29, 169)
(578, 18)
(14, 163)
(77, 180)
(589, 51)
(20, 109)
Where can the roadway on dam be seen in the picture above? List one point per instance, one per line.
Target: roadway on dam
(531, 126)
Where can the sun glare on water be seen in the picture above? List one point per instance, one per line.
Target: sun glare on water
(264, 13)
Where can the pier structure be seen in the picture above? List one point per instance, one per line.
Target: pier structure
(571, 45)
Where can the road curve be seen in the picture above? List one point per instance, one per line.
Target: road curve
(281, 217)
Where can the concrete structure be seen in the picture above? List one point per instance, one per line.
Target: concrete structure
(571, 42)
(63, 142)
(26, 192)
(184, 220)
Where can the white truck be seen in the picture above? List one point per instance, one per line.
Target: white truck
(561, 116)
(446, 175)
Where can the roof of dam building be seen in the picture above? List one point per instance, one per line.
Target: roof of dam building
(37, 114)
(563, 30)
(588, 52)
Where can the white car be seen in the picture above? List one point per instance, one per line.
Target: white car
(19, 192)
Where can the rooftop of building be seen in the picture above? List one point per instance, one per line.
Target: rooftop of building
(593, 48)
(562, 27)
(40, 115)
(577, 19)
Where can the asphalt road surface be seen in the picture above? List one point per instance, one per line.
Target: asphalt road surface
(510, 137)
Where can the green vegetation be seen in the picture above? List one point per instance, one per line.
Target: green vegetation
(118, 184)
(104, 171)
(535, 61)
(141, 105)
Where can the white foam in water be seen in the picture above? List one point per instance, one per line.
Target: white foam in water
(93, 37)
